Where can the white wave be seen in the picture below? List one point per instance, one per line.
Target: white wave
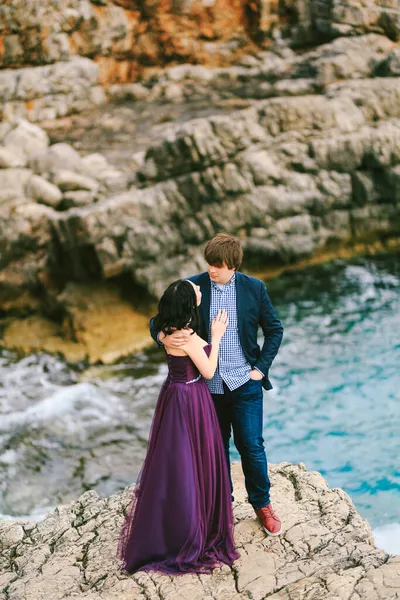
(73, 408)
(33, 517)
(387, 537)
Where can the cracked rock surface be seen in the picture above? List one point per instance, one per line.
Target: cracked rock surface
(326, 551)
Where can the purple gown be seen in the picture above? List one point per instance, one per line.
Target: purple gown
(180, 519)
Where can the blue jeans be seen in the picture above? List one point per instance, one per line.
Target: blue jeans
(241, 411)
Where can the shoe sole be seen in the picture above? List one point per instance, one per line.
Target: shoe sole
(272, 534)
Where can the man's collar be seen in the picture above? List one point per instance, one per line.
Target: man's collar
(228, 284)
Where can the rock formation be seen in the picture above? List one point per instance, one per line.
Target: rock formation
(293, 176)
(326, 551)
(58, 56)
(308, 168)
(56, 53)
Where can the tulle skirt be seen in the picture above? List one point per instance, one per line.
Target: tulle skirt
(180, 519)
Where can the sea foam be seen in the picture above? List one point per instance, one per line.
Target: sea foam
(387, 537)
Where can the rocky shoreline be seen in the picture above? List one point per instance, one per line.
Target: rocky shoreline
(284, 130)
(276, 121)
(326, 551)
(296, 178)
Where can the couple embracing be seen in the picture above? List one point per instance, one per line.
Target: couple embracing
(180, 519)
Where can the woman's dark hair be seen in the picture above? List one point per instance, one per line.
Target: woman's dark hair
(177, 308)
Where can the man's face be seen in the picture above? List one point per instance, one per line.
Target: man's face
(220, 274)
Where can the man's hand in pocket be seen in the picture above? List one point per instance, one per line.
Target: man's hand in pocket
(256, 375)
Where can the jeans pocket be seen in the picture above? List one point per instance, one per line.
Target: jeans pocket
(256, 380)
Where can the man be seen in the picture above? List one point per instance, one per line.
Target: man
(243, 366)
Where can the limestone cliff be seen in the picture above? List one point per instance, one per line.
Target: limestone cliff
(326, 552)
(59, 56)
(307, 169)
(126, 35)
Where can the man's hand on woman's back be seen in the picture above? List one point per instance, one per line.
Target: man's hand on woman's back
(177, 339)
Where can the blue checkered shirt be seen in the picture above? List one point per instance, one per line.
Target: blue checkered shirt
(233, 367)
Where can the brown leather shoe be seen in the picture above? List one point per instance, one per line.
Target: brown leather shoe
(269, 519)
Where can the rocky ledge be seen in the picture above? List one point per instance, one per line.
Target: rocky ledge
(59, 57)
(309, 168)
(326, 551)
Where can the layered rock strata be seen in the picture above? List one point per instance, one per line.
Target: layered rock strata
(309, 168)
(274, 73)
(51, 91)
(290, 176)
(326, 551)
(58, 58)
(46, 47)
(123, 35)
(295, 177)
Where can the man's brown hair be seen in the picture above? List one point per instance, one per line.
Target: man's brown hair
(224, 248)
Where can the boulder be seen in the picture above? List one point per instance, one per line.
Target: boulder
(128, 91)
(390, 65)
(69, 180)
(75, 199)
(12, 183)
(56, 157)
(10, 158)
(95, 164)
(26, 139)
(43, 191)
(25, 248)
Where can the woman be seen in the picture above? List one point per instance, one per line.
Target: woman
(180, 520)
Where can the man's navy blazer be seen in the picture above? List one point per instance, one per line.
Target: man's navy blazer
(254, 309)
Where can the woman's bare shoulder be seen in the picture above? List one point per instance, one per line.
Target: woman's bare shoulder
(195, 341)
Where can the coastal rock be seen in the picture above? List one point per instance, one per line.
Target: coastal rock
(293, 177)
(88, 309)
(12, 183)
(296, 153)
(25, 241)
(116, 30)
(93, 323)
(50, 91)
(58, 60)
(243, 172)
(10, 159)
(69, 180)
(43, 191)
(26, 139)
(325, 551)
(56, 157)
(128, 91)
(77, 198)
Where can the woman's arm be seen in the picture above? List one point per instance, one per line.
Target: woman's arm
(205, 364)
